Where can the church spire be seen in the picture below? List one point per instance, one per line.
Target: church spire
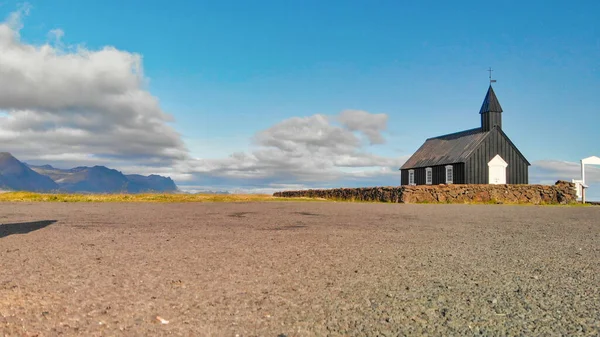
(490, 103)
(491, 111)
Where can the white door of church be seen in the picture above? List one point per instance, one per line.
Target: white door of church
(497, 170)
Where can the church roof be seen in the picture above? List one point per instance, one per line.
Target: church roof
(447, 149)
(490, 103)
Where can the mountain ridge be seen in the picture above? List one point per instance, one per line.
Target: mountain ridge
(19, 176)
(15, 175)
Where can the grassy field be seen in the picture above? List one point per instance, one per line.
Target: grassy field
(170, 197)
(150, 197)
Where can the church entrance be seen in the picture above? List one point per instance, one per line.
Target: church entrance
(497, 170)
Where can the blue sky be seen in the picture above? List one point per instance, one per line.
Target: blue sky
(228, 70)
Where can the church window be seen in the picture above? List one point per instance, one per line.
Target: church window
(411, 177)
(428, 176)
(449, 174)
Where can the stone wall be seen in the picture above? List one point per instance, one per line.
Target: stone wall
(382, 194)
(561, 193)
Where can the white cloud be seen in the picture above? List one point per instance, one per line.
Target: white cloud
(14, 20)
(56, 34)
(370, 124)
(310, 151)
(74, 100)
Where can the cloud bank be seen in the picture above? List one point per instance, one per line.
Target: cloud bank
(310, 151)
(85, 103)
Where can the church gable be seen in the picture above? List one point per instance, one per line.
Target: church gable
(513, 146)
(496, 143)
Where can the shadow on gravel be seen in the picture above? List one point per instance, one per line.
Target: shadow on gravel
(23, 227)
(308, 213)
(240, 214)
(283, 228)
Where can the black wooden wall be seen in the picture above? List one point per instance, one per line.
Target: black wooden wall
(476, 169)
(438, 175)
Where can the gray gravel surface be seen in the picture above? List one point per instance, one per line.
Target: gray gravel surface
(298, 269)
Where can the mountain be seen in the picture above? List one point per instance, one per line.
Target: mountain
(96, 179)
(101, 179)
(14, 175)
(152, 183)
(18, 176)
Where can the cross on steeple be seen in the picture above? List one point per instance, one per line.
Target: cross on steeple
(491, 81)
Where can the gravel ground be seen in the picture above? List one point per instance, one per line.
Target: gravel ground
(298, 269)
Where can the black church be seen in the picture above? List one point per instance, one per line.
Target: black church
(483, 155)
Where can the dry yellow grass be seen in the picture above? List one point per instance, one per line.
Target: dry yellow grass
(149, 197)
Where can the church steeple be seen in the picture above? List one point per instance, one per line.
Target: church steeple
(491, 111)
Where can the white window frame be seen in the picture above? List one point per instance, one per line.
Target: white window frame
(428, 176)
(411, 177)
(449, 173)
